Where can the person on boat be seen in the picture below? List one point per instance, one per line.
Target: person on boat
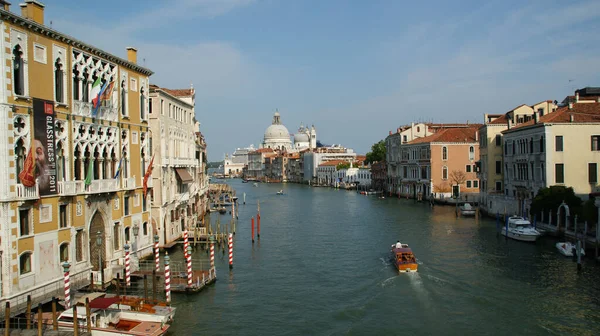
(398, 244)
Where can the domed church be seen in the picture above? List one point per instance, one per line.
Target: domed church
(277, 136)
(305, 138)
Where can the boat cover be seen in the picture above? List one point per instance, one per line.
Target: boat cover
(103, 302)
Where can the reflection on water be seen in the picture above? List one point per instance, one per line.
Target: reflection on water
(320, 267)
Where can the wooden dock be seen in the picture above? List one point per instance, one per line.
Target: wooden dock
(34, 332)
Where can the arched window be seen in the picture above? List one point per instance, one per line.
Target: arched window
(96, 164)
(127, 235)
(60, 161)
(85, 96)
(471, 153)
(444, 153)
(87, 156)
(20, 155)
(25, 263)
(58, 81)
(142, 104)
(123, 99)
(76, 89)
(18, 71)
(64, 252)
(444, 173)
(77, 164)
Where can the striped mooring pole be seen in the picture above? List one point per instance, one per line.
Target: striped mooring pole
(185, 243)
(156, 253)
(127, 267)
(189, 265)
(230, 250)
(66, 267)
(167, 279)
(212, 252)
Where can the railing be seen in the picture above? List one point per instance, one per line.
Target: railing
(82, 108)
(129, 183)
(184, 161)
(24, 192)
(105, 185)
(67, 188)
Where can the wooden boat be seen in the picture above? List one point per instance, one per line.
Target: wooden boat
(108, 322)
(403, 258)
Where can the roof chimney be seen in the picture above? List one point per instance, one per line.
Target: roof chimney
(536, 117)
(571, 118)
(577, 97)
(570, 105)
(476, 135)
(32, 10)
(5, 5)
(132, 55)
(509, 122)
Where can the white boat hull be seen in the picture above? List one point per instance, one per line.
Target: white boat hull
(467, 213)
(566, 249)
(519, 236)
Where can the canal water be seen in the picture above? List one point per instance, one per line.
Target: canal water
(321, 267)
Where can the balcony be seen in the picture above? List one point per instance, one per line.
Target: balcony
(25, 193)
(83, 109)
(129, 183)
(102, 186)
(68, 188)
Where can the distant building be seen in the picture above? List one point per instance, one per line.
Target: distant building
(277, 136)
(305, 138)
(560, 148)
(313, 159)
(379, 175)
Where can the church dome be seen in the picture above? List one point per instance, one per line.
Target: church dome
(301, 137)
(277, 132)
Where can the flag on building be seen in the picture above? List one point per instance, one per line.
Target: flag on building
(107, 94)
(90, 173)
(147, 175)
(119, 168)
(27, 175)
(97, 92)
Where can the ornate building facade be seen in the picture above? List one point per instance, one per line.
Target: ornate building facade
(178, 173)
(86, 200)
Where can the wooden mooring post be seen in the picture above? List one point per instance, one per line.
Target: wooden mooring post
(54, 316)
(28, 314)
(40, 322)
(7, 319)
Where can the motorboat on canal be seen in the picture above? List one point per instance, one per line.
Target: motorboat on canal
(568, 249)
(467, 210)
(520, 229)
(403, 258)
(108, 322)
(280, 192)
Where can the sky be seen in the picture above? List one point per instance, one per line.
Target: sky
(354, 69)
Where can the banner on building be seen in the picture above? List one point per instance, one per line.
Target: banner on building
(45, 151)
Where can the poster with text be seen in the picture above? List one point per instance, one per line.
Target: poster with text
(45, 151)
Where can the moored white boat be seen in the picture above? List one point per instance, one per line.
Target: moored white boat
(467, 209)
(520, 229)
(568, 249)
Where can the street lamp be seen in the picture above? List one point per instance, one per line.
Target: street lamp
(99, 247)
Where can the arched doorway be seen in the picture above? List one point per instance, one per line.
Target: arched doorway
(97, 253)
(562, 217)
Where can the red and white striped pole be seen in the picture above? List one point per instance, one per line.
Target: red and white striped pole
(212, 253)
(230, 251)
(127, 266)
(167, 279)
(189, 265)
(156, 253)
(66, 267)
(185, 243)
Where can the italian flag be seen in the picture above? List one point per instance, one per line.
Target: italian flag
(95, 93)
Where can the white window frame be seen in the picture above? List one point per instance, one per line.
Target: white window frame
(31, 265)
(446, 148)
(20, 38)
(44, 59)
(124, 77)
(30, 222)
(445, 168)
(61, 52)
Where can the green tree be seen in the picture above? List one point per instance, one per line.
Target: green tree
(377, 153)
(549, 199)
(344, 165)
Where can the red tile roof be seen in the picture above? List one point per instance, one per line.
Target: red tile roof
(581, 113)
(332, 163)
(262, 150)
(179, 92)
(456, 134)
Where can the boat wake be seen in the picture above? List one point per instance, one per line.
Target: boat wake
(417, 284)
(388, 281)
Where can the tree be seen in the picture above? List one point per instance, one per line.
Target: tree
(377, 153)
(341, 166)
(458, 177)
(549, 199)
(442, 188)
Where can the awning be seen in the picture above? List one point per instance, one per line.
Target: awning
(183, 175)
(103, 303)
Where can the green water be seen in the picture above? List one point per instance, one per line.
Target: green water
(321, 268)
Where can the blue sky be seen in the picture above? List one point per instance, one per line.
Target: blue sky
(354, 69)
